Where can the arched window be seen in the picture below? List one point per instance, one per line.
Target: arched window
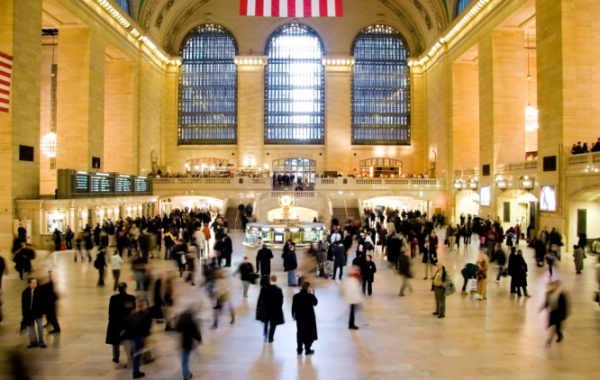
(380, 88)
(124, 4)
(294, 87)
(208, 87)
(461, 5)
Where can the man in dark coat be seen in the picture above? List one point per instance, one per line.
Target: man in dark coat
(189, 333)
(512, 271)
(120, 307)
(303, 312)
(339, 259)
(520, 274)
(50, 298)
(32, 307)
(268, 307)
(263, 260)
(227, 250)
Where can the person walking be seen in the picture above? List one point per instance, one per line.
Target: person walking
(290, 264)
(227, 250)
(50, 298)
(120, 306)
(405, 273)
(263, 261)
(520, 274)
(430, 254)
(137, 328)
(578, 256)
(222, 297)
(339, 259)
(512, 270)
(353, 294)
(437, 284)
(100, 265)
(246, 271)
(269, 308)
(482, 270)
(368, 275)
(303, 312)
(190, 334)
(32, 308)
(116, 261)
(556, 305)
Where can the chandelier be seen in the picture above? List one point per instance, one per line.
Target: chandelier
(531, 113)
(48, 145)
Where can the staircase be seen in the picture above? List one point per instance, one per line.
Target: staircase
(340, 214)
(231, 214)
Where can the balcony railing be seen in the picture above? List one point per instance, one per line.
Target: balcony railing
(517, 167)
(584, 159)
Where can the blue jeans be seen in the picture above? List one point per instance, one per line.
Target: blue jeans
(168, 251)
(292, 278)
(40, 331)
(185, 360)
(138, 345)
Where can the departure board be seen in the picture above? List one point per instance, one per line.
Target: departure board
(82, 184)
(123, 184)
(101, 184)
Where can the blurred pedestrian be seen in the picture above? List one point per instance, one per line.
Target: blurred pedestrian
(190, 334)
(303, 313)
(404, 269)
(556, 305)
(247, 275)
(32, 307)
(137, 328)
(116, 261)
(269, 308)
(121, 305)
(100, 265)
(578, 256)
(353, 294)
(50, 298)
(482, 272)
(222, 297)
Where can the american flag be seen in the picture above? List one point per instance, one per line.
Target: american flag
(6, 62)
(291, 8)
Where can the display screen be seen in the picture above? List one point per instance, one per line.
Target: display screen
(548, 198)
(123, 185)
(101, 184)
(278, 238)
(82, 183)
(485, 196)
(141, 186)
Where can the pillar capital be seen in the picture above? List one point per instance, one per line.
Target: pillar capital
(338, 63)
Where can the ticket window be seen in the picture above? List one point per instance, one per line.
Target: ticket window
(55, 219)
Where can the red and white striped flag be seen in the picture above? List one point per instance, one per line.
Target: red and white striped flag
(291, 8)
(6, 62)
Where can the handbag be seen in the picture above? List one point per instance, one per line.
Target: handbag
(449, 288)
(473, 284)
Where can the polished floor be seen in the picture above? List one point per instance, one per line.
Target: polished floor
(498, 338)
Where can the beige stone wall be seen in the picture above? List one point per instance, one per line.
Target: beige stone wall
(20, 37)
(47, 175)
(250, 134)
(338, 123)
(120, 153)
(465, 115)
(438, 117)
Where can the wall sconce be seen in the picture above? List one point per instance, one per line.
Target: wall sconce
(472, 184)
(526, 183)
(458, 184)
(501, 183)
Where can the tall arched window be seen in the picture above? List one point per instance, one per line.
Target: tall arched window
(124, 4)
(208, 87)
(461, 5)
(380, 88)
(294, 87)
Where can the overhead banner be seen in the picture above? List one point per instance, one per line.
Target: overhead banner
(291, 8)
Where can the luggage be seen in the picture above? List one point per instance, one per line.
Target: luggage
(63, 246)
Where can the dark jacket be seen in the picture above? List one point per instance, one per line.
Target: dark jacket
(368, 271)
(290, 262)
(32, 310)
(519, 274)
(189, 331)
(227, 246)
(271, 299)
(246, 271)
(263, 261)
(303, 312)
(339, 255)
(404, 266)
(469, 271)
(120, 307)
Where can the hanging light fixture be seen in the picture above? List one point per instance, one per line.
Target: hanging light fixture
(531, 113)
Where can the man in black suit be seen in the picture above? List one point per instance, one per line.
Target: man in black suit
(120, 307)
(270, 302)
(303, 311)
(263, 260)
(227, 250)
(32, 306)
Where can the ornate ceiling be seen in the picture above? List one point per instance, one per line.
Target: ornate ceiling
(420, 21)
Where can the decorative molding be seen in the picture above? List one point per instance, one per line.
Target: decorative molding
(424, 13)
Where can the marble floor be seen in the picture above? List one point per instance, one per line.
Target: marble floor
(498, 338)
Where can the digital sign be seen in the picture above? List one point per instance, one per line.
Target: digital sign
(82, 184)
(548, 198)
(484, 196)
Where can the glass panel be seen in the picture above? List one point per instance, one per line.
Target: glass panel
(208, 87)
(462, 4)
(294, 87)
(380, 88)
(124, 4)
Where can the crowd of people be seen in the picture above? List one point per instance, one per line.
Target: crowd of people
(582, 149)
(398, 236)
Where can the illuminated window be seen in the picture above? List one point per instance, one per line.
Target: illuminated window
(462, 4)
(208, 87)
(294, 87)
(380, 88)
(124, 4)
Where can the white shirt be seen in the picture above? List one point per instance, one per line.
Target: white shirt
(116, 261)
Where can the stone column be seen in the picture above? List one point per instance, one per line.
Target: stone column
(502, 101)
(338, 114)
(251, 106)
(20, 37)
(81, 84)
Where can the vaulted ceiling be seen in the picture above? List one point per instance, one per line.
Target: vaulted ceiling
(420, 21)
